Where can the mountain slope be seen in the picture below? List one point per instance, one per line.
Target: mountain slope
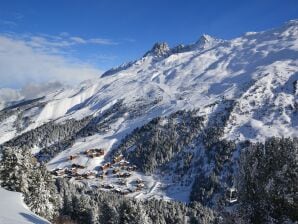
(241, 89)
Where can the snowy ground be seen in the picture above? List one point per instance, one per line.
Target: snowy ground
(14, 211)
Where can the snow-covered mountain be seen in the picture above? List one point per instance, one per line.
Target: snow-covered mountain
(253, 78)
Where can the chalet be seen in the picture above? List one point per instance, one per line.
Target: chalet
(107, 186)
(139, 181)
(131, 168)
(87, 151)
(72, 157)
(122, 182)
(123, 175)
(123, 163)
(117, 159)
(137, 189)
(125, 192)
(130, 190)
(105, 166)
(58, 172)
(79, 177)
(116, 170)
(95, 152)
(117, 190)
(140, 185)
(89, 175)
(74, 165)
(72, 171)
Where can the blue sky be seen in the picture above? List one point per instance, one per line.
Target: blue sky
(104, 33)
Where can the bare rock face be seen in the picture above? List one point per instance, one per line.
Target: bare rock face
(159, 50)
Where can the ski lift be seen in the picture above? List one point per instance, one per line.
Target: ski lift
(232, 195)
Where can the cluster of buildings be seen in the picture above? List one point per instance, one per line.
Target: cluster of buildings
(116, 168)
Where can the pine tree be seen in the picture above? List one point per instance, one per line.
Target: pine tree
(14, 170)
(42, 197)
(21, 172)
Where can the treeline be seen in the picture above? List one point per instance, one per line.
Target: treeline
(51, 137)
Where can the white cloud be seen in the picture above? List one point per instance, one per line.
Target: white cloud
(30, 91)
(8, 23)
(33, 90)
(101, 41)
(7, 94)
(61, 43)
(63, 40)
(78, 40)
(36, 59)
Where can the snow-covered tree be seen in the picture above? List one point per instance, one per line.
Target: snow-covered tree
(21, 172)
(15, 166)
(268, 181)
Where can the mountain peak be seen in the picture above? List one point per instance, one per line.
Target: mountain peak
(159, 49)
(206, 41)
(205, 38)
(292, 22)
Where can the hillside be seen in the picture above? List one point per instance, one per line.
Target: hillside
(166, 111)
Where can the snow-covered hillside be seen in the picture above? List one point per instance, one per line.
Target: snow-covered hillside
(14, 211)
(257, 71)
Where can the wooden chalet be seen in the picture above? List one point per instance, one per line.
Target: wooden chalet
(72, 171)
(117, 190)
(125, 192)
(117, 159)
(124, 163)
(79, 177)
(122, 182)
(140, 185)
(105, 166)
(123, 175)
(116, 170)
(95, 152)
(138, 181)
(58, 172)
(72, 157)
(107, 186)
(131, 168)
(89, 175)
(78, 166)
